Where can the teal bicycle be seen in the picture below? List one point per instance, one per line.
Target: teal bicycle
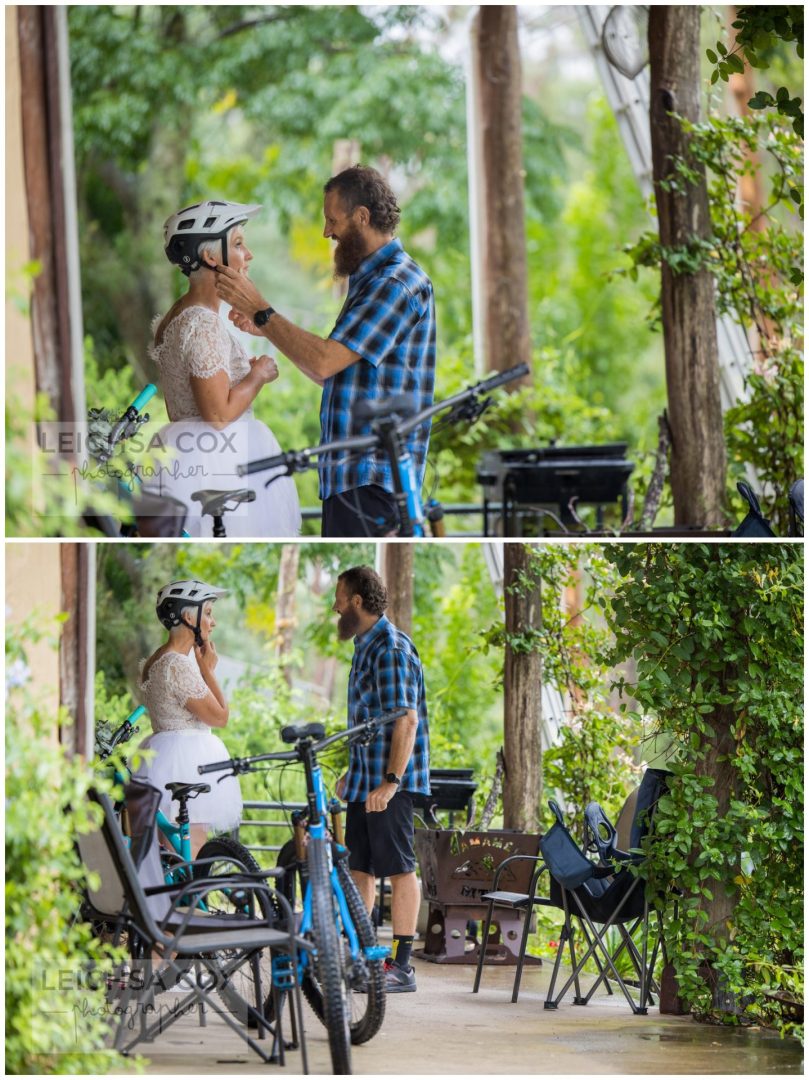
(344, 980)
(220, 856)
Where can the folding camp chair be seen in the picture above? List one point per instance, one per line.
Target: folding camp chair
(609, 894)
(170, 921)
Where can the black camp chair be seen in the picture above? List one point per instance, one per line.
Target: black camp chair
(167, 920)
(611, 894)
(796, 509)
(606, 894)
(754, 525)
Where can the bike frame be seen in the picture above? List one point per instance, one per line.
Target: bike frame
(179, 836)
(317, 829)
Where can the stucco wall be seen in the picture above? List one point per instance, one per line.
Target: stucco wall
(34, 587)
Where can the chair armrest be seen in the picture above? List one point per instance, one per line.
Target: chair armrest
(504, 864)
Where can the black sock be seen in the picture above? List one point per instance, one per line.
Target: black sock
(402, 944)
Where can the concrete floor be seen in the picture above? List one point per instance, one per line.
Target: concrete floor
(445, 1029)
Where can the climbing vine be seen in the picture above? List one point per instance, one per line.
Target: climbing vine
(716, 636)
(756, 258)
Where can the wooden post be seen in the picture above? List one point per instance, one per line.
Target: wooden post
(397, 573)
(505, 290)
(522, 698)
(42, 161)
(285, 607)
(689, 318)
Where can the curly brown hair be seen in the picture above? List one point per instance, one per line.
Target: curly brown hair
(365, 582)
(363, 186)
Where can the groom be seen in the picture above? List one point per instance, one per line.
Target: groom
(383, 343)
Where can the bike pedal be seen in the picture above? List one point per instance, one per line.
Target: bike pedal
(377, 952)
(284, 974)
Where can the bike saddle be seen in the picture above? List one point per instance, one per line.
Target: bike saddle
(216, 503)
(293, 732)
(187, 791)
(401, 404)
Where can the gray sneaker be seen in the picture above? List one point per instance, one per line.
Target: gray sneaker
(399, 980)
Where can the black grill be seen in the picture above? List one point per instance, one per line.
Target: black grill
(452, 790)
(526, 482)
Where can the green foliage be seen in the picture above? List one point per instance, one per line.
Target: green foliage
(759, 31)
(453, 599)
(716, 635)
(56, 970)
(756, 259)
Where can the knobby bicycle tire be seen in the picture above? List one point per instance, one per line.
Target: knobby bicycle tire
(367, 994)
(328, 962)
(240, 989)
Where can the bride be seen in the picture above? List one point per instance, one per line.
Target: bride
(210, 383)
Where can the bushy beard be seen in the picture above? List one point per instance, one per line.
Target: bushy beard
(348, 624)
(349, 252)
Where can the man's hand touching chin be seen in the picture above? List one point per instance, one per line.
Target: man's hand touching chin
(239, 291)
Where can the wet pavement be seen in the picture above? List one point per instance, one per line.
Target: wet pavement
(445, 1029)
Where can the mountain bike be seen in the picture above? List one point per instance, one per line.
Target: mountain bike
(344, 981)
(391, 420)
(219, 856)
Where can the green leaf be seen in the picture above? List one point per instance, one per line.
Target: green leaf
(712, 56)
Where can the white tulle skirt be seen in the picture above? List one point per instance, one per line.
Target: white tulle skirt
(176, 755)
(193, 456)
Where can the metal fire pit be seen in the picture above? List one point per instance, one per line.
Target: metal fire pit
(457, 869)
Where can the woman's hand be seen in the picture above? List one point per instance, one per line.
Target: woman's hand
(207, 657)
(265, 367)
(243, 322)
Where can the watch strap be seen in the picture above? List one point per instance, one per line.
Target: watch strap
(261, 318)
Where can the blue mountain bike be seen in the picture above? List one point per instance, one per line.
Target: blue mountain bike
(344, 980)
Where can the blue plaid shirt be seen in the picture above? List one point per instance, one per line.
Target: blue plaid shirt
(386, 674)
(388, 320)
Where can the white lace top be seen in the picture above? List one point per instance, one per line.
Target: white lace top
(196, 342)
(174, 678)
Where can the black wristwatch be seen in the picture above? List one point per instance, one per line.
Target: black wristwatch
(392, 778)
(261, 318)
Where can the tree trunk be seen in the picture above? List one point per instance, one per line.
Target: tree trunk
(720, 908)
(285, 615)
(397, 573)
(689, 317)
(522, 702)
(507, 338)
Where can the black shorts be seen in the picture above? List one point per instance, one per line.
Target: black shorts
(377, 514)
(381, 844)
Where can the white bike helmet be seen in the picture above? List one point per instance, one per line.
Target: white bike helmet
(184, 231)
(175, 597)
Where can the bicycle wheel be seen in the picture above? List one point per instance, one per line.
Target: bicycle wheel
(329, 966)
(365, 981)
(244, 986)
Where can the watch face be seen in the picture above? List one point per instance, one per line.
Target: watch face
(260, 318)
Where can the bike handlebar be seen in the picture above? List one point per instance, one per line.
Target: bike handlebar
(124, 733)
(238, 765)
(298, 460)
(143, 398)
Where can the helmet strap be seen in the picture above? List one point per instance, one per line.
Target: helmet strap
(196, 629)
